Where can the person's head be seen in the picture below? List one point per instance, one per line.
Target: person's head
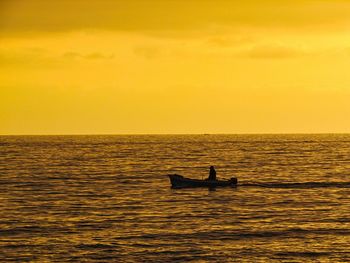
(211, 167)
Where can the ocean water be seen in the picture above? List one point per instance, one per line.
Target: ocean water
(108, 199)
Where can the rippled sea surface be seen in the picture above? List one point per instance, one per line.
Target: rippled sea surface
(107, 199)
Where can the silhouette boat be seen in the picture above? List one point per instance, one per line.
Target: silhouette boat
(178, 181)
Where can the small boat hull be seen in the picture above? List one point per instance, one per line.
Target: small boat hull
(178, 181)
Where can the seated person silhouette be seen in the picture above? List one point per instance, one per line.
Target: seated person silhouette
(212, 173)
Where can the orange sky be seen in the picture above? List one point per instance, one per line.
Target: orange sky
(95, 67)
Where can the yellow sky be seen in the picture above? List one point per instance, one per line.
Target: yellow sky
(94, 67)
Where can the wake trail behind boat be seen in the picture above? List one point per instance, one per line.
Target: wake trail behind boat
(305, 185)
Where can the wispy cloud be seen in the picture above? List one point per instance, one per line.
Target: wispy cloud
(271, 52)
(229, 41)
(148, 52)
(41, 58)
(97, 55)
(90, 56)
(31, 58)
(71, 55)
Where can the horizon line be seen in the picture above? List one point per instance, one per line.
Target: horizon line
(140, 134)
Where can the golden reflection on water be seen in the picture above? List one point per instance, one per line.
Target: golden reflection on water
(106, 198)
